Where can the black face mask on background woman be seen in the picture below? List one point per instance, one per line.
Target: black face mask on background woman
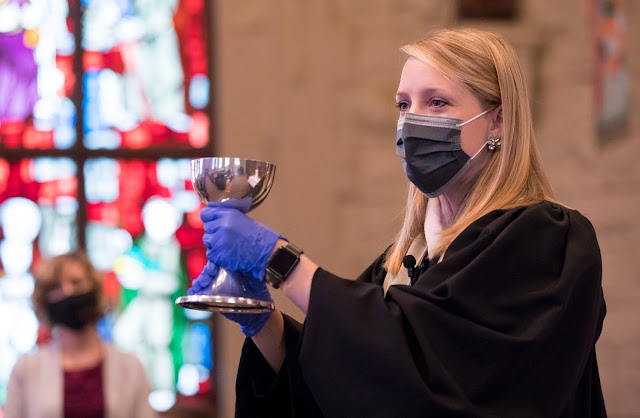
(432, 156)
(75, 311)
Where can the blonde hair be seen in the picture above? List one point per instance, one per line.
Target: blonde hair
(47, 278)
(488, 66)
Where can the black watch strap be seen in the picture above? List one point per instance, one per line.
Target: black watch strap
(281, 264)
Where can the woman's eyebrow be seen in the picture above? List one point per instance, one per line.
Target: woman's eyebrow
(426, 92)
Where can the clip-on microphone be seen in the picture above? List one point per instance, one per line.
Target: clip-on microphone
(409, 262)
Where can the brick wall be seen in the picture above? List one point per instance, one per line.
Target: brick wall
(310, 86)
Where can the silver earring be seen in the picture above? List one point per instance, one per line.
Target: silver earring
(493, 143)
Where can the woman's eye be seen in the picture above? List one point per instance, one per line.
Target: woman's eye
(402, 106)
(438, 103)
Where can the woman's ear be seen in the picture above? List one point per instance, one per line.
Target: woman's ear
(496, 128)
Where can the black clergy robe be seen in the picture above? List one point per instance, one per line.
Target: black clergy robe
(504, 326)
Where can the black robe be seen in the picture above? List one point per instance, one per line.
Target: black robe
(504, 326)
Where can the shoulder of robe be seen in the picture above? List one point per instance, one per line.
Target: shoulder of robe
(539, 240)
(376, 272)
(535, 224)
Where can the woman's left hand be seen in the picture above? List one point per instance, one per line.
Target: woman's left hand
(205, 279)
(236, 242)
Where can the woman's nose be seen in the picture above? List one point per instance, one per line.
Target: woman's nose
(416, 109)
(68, 289)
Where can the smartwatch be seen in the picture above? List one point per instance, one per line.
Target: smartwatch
(281, 264)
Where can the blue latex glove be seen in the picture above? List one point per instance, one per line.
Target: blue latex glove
(205, 279)
(250, 324)
(236, 242)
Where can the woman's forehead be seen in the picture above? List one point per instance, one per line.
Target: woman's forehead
(421, 75)
(72, 268)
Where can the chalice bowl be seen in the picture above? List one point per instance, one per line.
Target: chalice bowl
(242, 184)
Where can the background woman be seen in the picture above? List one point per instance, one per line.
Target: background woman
(76, 374)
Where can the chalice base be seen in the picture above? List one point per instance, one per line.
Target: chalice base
(225, 304)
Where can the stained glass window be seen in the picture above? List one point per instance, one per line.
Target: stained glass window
(36, 75)
(103, 103)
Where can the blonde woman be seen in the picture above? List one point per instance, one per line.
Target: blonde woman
(76, 374)
(500, 310)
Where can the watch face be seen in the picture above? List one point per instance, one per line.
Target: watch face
(282, 261)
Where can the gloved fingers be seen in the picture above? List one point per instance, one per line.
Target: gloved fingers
(195, 288)
(219, 242)
(212, 226)
(216, 257)
(242, 205)
(204, 279)
(223, 219)
(199, 285)
(211, 212)
(212, 269)
(208, 241)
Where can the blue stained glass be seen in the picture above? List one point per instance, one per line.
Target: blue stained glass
(199, 91)
(101, 179)
(201, 345)
(90, 103)
(48, 168)
(64, 134)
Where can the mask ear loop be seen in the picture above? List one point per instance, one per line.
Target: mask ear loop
(493, 144)
(478, 152)
(458, 125)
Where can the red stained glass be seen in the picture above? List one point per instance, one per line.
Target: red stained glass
(97, 60)
(194, 220)
(11, 132)
(33, 138)
(199, 134)
(92, 60)
(137, 138)
(110, 284)
(159, 132)
(50, 190)
(196, 261)
(194, 7)
(189, 237)
(65, 65)
(4, 174)
(19, 181)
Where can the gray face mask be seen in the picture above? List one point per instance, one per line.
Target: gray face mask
(430, 149)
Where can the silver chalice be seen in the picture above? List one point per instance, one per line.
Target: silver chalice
(243, 184)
